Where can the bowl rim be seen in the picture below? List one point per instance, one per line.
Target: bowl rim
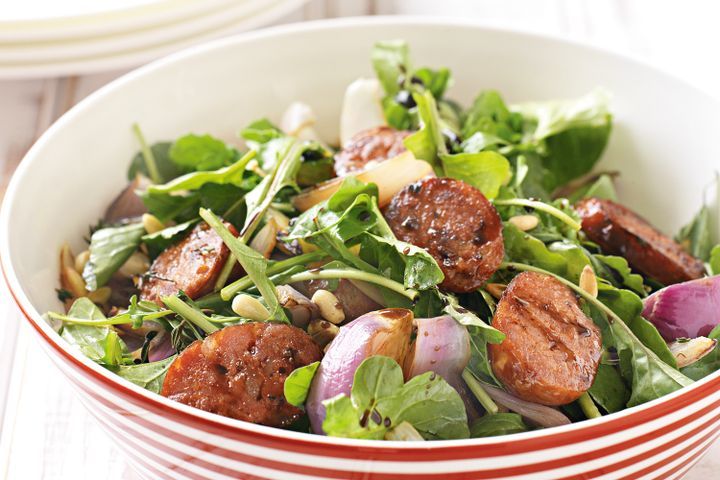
(599, 426)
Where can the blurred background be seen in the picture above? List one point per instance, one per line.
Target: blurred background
(53, 53)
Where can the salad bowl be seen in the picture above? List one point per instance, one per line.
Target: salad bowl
(663, 143)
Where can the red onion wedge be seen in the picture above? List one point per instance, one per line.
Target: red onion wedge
(384, 332)
(535, 413)
(442, 346)
(685, 310)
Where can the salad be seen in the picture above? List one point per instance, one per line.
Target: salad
(439, 272)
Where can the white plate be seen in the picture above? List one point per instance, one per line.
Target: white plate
(106, 45)
(120, 55)
(108, 17)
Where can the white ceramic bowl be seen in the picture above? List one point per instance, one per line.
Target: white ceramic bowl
(664, 142)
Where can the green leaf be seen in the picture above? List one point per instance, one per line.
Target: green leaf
(379, 400)
(435, 81)
(232, 174)
(254, 264)
(201, 152)
(617, 271)
(429, 404)
(465, 317)
(427, 143)
(715, 261)
(100, 344)
(562, 258)
(651, 338)
(297, 384)
(651, 377)
(109, 249)
(283, 175)
(479, 363)
(570, 135)
(149, 376)
(603, 187)
(261, 131)
(159, 241)
(710, 363)
(401, 261)
(489, 115)
(486, 171)
(498, 424)
(695, 237)
(167, 169)
(391, 61)
(609, 389)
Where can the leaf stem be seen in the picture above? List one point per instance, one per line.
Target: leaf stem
(541, 206)
(588, 406)
(245, 282)
(353, 274)
(117, 320)
(190, 314)
(476, 388)
(147, 154)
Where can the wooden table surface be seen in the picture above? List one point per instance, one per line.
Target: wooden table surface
(46, 434)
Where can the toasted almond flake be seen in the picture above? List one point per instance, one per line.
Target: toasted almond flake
(250, 307)
(588, 281)
(690, 351)
(101, 295)
(151, 223)
(66, 257)
(322, 331)
(404, 432)
(329, 306)
(73, 282)
(81, 259)
(524, 222)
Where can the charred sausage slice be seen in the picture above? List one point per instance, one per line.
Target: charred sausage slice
(457, 225)
(368, 147)
(620, 231)
(192, 265)
(552, 350)
(240, 372)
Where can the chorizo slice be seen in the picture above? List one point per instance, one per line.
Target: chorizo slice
(240, 372)
(191, 265)
(368, 147)
(456, 224)
(620, 231)
(551, 350)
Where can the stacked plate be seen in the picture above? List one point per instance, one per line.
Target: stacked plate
(43, 38)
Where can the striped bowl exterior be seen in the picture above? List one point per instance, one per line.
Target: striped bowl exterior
(164, 440)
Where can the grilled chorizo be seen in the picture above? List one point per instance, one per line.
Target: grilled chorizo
(551, 350)
(456, 224)
(368, 147)
(240, 372)
(191, 265)
(620, 231)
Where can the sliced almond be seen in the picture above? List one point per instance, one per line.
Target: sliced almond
(81, 259)
(524, 222)
(322, 331)
(73, 282)
(588, 281)
(690, 351)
